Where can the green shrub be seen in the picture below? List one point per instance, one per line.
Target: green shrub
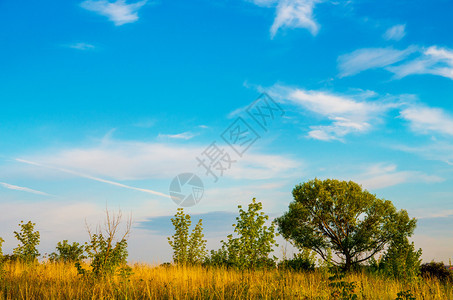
(401, 260)
(254, 241)
(67, 253)
(436, 270)
(28, 241)
(187, 249)
(108, 253)
(303, 261)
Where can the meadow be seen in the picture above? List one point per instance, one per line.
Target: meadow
(61, 281)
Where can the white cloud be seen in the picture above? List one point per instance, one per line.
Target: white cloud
(291, 14)
(339, 128)
(23, 189)
(82, 46)
(180, 136)
(130, 160)
(434, 61)
(264, 3)
(347, 114)
(54, 219)
(295, 14)
(440, 151)
(395, 33)
(118, 12)
(83, 175)
(425, 119)
(385, 175)
(370, 58)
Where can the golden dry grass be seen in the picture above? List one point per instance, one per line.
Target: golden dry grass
(59, 281)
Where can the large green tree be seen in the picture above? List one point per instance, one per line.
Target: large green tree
(340, 216)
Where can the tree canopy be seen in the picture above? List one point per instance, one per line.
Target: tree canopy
(342, 217)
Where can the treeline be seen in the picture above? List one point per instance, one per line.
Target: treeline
(338, 222)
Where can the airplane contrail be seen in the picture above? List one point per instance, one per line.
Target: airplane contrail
(23, 189)
(93, 178)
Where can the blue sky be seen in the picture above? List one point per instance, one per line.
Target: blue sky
(104, 103)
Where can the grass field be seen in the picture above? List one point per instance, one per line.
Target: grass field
(59, 281)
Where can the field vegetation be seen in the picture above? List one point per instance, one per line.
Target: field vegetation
(352, 245)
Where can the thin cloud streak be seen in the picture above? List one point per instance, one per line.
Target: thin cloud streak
(395, 33)
(23, 189)
(118, 12)
(93, 178)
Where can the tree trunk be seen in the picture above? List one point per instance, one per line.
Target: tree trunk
(348, 263)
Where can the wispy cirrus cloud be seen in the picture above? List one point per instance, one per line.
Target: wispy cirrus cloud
(370, 58)
(395, 33)
(414, 60)
(22, 189)
(119, 12)
(295, 14)
(347, 113)
(81, 46)
(436, 150)
(87, 176)
(179, 136)
(424, 119)
(434, 60)
(131, 160)
(291, 14)
(384, 175)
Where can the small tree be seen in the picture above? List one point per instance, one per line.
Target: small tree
(29, 240)
(67, 253)
(302, 261)
(401, 260)
(340, 216)
(187, 249)
(106, 251)
(254, 240)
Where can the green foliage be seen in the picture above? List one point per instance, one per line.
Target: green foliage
(342, 289)
(1, 258)
(217, 258)
(401, 260)
(340, 216)
(67, 253)
(405, 295)
(108, 253)
(254, 240)
(29, 239)
(1, 251)
(436, 270)
(302, 261)
(187, 249)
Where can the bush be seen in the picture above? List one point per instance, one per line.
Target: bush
(303, 261)
(108, 253)
(29, 239)
(217, 258)
(187, 249)
(254, 241)
(436, 270)
(67, 253)
(401, 260)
